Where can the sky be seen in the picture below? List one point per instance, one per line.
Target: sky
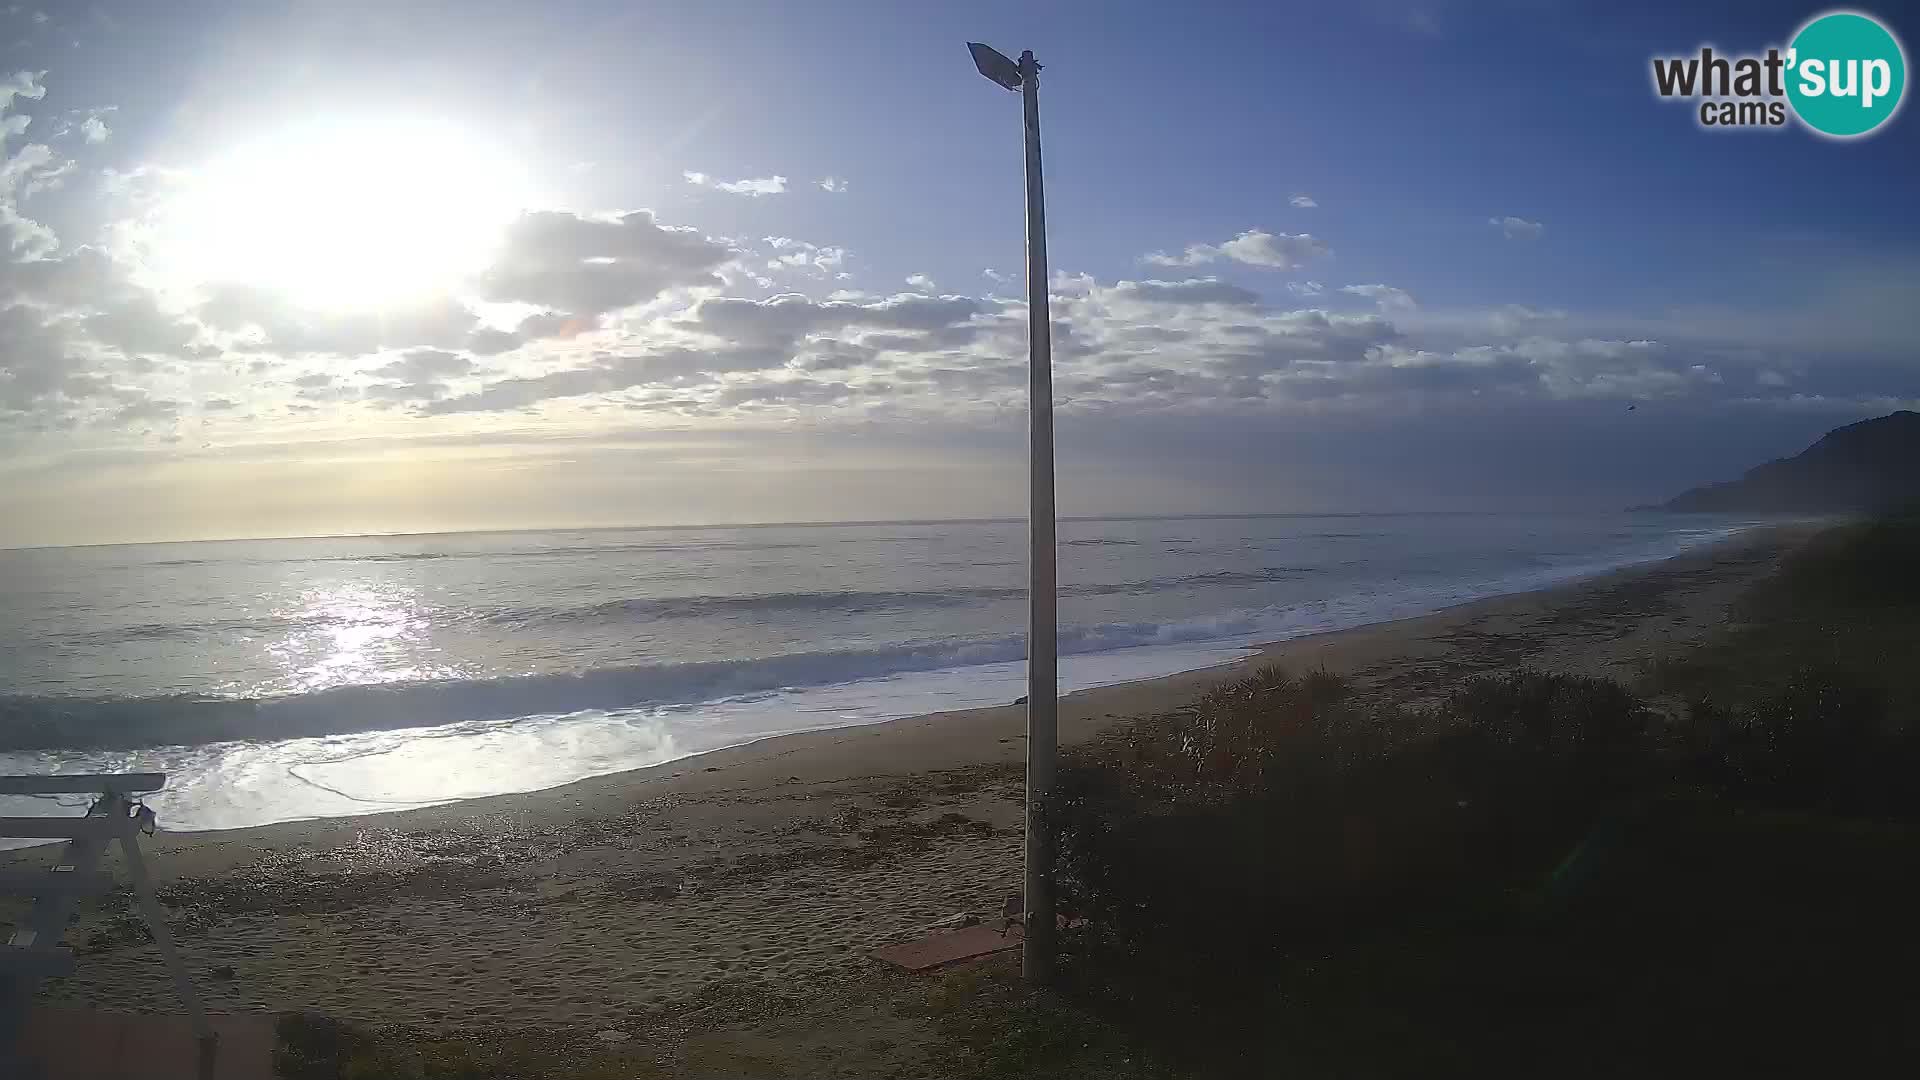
(276, 269)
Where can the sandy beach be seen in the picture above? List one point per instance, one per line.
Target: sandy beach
(777, 862)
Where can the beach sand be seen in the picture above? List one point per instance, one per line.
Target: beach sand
(779, 863)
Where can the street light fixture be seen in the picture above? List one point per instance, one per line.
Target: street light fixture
(1043, 660)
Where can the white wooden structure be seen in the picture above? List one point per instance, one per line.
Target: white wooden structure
(34, 952)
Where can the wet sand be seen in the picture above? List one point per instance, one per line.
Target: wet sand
(777, 863)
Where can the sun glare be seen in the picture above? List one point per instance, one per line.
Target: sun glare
(346, 213)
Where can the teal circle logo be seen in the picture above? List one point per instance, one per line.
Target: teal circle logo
(1846, 74)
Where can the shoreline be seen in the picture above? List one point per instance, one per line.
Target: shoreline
(355, 750)
(1339, 651)
(774, 860)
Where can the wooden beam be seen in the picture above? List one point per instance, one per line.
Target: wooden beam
(53, 881)
(82, 783)
(94, 827)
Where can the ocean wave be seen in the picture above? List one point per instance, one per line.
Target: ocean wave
(683, 607)
(29, 722)
(39, 723)
(690, 606)
(860, 601)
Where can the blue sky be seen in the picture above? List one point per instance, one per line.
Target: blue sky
(1509, 240)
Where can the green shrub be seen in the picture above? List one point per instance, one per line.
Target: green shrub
(1282, 807)
(1593, 722)
(1824, 741)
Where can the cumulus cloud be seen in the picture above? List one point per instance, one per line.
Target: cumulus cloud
(1302, 201)
(1196, 291)
(425, 365)
(1255, 247)
(78, 338)
(419, 375)
(753, 187)
(834, 184)
(822, 260)
(581, 317)
(586, 266)
(1514, 228)
(81, 340)
(94, 129)
(719, 336)
(784, 318)
(1388, 297)
(23, 84)
(25, 171)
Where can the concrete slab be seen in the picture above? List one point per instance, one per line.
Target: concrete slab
(949, 947)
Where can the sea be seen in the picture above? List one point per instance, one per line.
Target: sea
(284, 679)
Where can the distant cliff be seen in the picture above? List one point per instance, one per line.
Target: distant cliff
(1865, 466)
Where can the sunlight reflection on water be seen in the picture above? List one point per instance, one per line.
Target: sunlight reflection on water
(353, 632)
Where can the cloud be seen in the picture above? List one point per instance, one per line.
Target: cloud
(823, 260)
(1388, 297)
(136, 325)
(1302, 201)
(489, 341)
(723, 336)
(387, 395)
(95, 130)
(1517, 228)
(586, 266)
(1513, 319)
(25, 172)
(284, 327)
(1197, 291)
(834, 184)
(784, 318)
(147, 411)
(753, 187)
(1255, 247)
(35, 168)
(583, 321)
(606, 375)
(418, 376)
(23, 84)
(425, 365)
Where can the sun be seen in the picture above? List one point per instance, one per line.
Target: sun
(342, 213)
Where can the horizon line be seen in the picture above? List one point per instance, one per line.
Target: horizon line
(814, 524)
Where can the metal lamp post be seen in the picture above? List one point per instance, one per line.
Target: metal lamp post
(1037, 951)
